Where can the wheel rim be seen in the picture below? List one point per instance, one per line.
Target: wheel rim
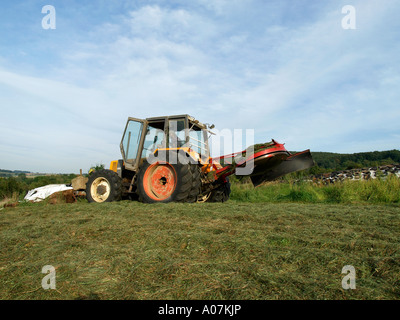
(159, 181)
(100, 189)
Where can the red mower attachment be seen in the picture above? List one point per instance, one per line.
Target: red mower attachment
(266, 162)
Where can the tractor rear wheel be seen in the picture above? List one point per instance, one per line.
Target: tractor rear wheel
(221, 194)
(196, 183)
(103, 186)
(164, 182)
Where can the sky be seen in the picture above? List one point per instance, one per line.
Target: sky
(303, 72)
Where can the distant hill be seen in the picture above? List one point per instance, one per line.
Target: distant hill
(12, 173)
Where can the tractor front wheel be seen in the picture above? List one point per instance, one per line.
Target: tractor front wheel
(103, 186)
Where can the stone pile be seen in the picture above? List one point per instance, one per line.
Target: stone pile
(358, 174)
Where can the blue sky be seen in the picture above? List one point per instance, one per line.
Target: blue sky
(286, 69)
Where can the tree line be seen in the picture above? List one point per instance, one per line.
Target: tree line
(18, 186)
(329, 162)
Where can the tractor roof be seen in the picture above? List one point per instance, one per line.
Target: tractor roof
(190, 118)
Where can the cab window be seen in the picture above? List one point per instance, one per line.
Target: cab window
(154, 139)
(131, 140)
(176, 133)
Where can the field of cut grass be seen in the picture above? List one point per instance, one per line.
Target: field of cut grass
(234, 250)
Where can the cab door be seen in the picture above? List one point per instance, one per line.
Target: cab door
(132, 142)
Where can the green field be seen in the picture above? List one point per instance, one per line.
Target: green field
(233, 250)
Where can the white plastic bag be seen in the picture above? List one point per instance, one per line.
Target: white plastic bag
(42, 193)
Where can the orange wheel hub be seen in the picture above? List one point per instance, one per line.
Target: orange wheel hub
(159, 181)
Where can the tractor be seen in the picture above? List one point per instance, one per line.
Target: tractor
(167, 159)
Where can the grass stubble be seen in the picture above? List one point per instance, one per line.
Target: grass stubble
(235, 250)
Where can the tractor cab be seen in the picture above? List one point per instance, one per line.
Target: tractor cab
(143, 137)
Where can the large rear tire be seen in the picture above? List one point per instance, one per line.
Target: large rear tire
(222, 193)
(164, 182)
(196, 183)
(103, 186)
